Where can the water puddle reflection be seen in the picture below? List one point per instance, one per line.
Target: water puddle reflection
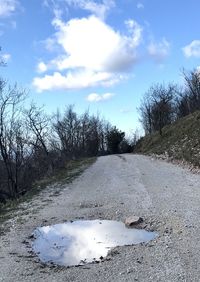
(80, 242)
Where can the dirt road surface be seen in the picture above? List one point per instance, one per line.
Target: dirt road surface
(115, 187)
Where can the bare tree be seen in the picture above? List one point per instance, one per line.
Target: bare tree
(66, 127)
(38, 124)
(11, 135)
(192, 83)
(145, 111)
(182, 103)
(157, 107)
(32, 146)
(79, 136)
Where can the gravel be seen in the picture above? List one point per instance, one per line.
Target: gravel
(115, 187)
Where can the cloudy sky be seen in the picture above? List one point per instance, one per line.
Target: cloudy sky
(100, 55)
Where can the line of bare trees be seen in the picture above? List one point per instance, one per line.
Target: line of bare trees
(163, 104)
(34, 144)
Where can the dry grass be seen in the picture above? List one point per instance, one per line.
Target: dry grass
(62, 176)
(180, 141)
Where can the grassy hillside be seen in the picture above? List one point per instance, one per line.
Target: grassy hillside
(180, 141)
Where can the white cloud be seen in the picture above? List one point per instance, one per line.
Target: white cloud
(94, 97)
(159, 50)
(8, 7)
(50, 44)
(136, 30)
(92, 46)
(140, 6)
(98, 9)
(74, 80)
(41, 67)
(192, 50)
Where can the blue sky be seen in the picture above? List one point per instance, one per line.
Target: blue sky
(98, 55)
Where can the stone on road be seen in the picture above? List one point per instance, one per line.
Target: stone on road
(133, 220)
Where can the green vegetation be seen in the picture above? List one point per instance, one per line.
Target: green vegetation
(180, 140)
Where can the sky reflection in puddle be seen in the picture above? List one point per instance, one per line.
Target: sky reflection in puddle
(79, 242)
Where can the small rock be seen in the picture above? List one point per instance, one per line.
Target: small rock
(32, 236)
(129, 270)
(133, 220)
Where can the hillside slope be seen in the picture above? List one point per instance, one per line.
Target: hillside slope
(180, 141)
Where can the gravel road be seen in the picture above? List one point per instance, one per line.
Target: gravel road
(115, 187)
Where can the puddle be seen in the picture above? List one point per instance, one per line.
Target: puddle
(80, 242)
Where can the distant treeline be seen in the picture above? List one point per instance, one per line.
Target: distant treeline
(34, 144)
(163, 104)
